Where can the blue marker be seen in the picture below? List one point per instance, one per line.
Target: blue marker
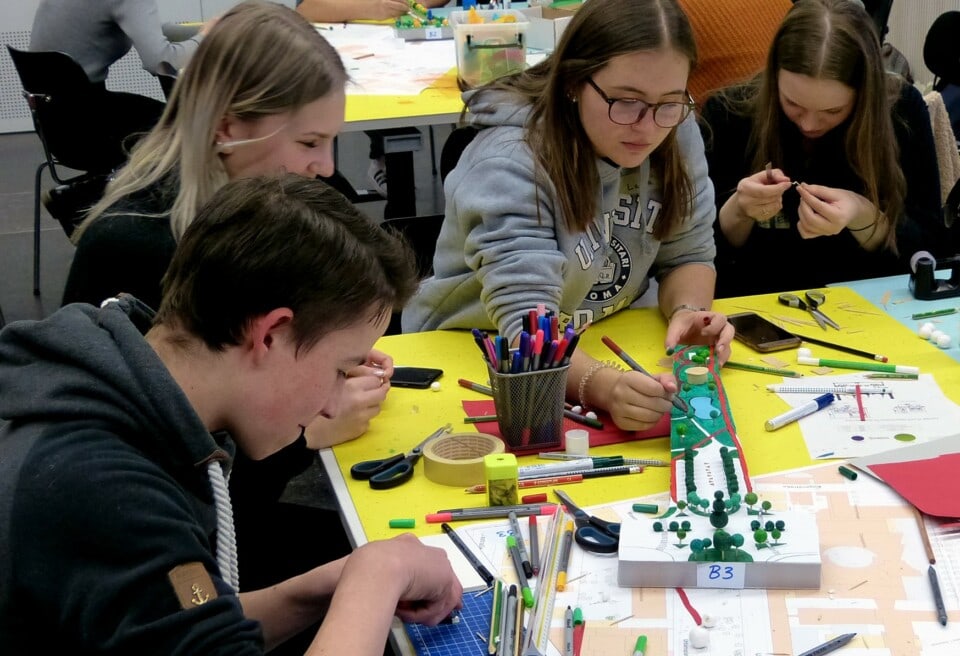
(791, 416)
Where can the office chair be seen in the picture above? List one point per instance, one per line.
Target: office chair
(421, 232)
(57, 91)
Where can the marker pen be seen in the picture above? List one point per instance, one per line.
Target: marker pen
(863, 366)
(799, 412)
(493, 512)
(525, 590)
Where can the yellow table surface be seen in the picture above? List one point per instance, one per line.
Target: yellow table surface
(440, 98)
(410, 415)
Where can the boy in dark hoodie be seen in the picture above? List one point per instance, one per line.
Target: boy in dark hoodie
(116, 534)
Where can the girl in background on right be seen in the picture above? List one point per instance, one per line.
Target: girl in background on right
(852, 188)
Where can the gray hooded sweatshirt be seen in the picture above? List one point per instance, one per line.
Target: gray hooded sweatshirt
(496, 260)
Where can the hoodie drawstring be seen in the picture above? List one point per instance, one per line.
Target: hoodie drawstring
(226, 536)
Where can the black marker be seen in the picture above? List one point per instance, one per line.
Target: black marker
(469, 555)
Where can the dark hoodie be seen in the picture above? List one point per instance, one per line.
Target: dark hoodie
(103, 491)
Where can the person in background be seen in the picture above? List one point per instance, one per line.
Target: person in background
(338, 11)
(115, 527)
(587, 176)
(851, 190)
(96, 34)
(264, 93)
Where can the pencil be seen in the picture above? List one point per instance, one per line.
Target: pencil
(924, 535)
(730, 364)
(677, 402)
(844, 349)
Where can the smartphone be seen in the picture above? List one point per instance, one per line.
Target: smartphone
(760, 334)
(416, 377)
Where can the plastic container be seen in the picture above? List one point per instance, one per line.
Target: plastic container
(488, 50)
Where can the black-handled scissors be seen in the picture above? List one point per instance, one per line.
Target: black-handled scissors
(386, 473)
(812, 305)
(593, 534)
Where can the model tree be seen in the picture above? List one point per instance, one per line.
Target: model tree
(760, 537)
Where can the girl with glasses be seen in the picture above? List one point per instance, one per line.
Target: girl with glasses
(586, 177)
(852, 187)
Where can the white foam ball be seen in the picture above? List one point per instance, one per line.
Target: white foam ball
(435, 386)
(591, 415)
(935, 335)
(699, 637)
(804, 352)
(708, 621)
(943, 341)
(578, 409)
(926, 330)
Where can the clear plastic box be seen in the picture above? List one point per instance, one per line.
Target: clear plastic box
(488, 50)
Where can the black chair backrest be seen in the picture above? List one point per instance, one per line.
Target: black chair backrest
(941, 49)
(459, 139)
(421, 233)
(879, 11)
(63, 106)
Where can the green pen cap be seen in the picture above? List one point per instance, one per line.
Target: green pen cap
(641, 646)
(403, 522)
(646, 508)
(511, 542)
(577, 616)
(527, 597)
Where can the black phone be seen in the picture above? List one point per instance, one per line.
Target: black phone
(416, 377)
(760, 334)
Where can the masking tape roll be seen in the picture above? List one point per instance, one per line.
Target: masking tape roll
(457, 459)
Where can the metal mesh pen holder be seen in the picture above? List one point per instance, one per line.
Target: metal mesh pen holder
(530, 408)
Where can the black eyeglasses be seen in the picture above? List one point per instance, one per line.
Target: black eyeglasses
(627, 111)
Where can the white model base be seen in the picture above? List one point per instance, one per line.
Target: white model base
(651, 559)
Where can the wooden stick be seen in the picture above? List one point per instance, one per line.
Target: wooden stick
(924, 535)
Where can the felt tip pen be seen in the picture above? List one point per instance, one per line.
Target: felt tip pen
(937, 596)
(534, 544)
(934, 313)
(610, 471)
(641, 647)
(568, 632)
(863, 366)
(493, 512)
(743, 366)
(526, 567)
(799, 412)
(525, 590)
(894, 376)
(647, 462)
(478, 567)
(830, 645)
(564, 561)
(677, 402)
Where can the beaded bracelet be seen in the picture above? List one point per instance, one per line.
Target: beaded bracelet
(684, 306)
(585, 379)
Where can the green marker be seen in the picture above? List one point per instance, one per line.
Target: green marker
(761, 370)
(641, 647)
(577, 616)
(933, 313)
(863, 366)
(894, 376)
(521, 576)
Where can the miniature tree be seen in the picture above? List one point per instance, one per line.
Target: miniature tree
(750, 498)
(760, 537)
(719, 518)
(705, 504)
(768, 525)
(755, 524)
(737, 540)
(780, 525)
(681, 534)
(775, 534)
(766, 505)
(673, 527)
(657, 527)
(685, 525)
(696, 546)
(681, 506)
(722, 542)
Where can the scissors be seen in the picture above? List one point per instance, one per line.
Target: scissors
(812, 305)
(386, 473)
(593, 534)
